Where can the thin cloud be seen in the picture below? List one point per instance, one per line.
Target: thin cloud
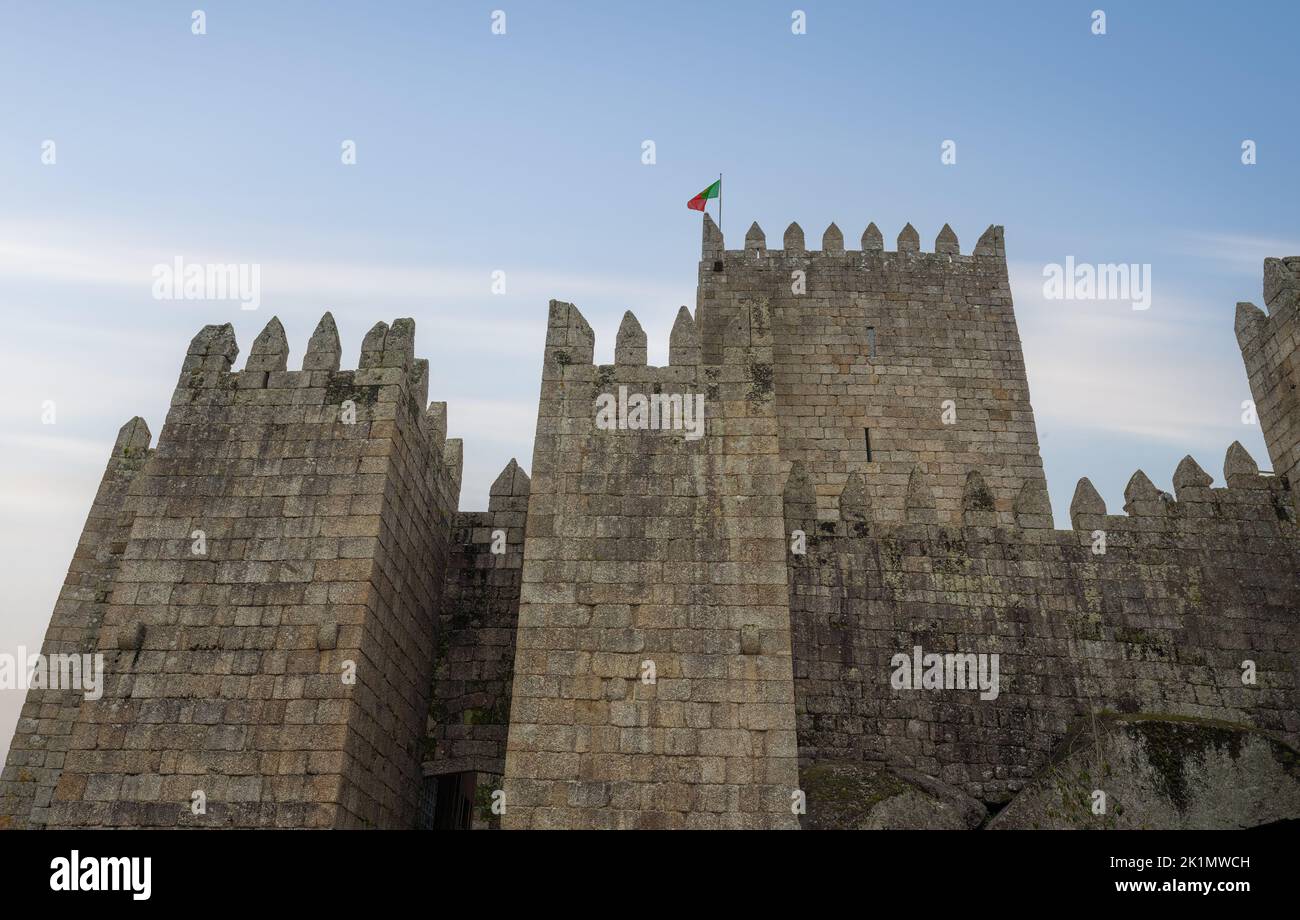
(1238, 253)
(71, 258)
(1099, 366)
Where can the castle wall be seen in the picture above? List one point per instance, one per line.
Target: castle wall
(276, 547)
(44, 732)
(1162, 622)
(885, 342)
(476, 646)
(646, 550)
(297, 622)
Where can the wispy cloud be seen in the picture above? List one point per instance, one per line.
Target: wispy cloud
(1237, 253)
(72, 254)
(1106, 367)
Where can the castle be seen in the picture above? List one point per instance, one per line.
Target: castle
(301, 629)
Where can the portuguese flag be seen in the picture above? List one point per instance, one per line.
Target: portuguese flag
(697, 203)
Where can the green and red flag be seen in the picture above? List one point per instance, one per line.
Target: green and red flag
(697, 203)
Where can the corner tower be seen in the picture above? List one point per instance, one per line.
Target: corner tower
(264, 587)
(1269, 346)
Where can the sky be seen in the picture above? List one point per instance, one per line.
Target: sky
(523, 153)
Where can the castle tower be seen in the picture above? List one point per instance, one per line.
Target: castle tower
(653, 682)
(1270, 347)
(264, 588)
(884, 361)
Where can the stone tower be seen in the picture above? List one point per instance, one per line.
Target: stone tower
(653, 683)
(1270, 346)
(263, 586)
(904, 367)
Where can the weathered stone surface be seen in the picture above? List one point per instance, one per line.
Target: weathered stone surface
(857, 796)
(947, 241)
(833, 239)
(653, 684)
(264, 586)
(1157, 772)
(793, 241)
(872, 239)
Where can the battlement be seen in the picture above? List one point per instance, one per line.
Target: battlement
(1154, 611)
(988, 252)
(388, 376)
(571, 342)
(1252, 505)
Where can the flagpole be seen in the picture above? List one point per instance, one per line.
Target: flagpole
(720, 204)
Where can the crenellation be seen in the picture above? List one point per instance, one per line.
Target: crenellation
(212, 350)
(855, 502)
(570, 342)
(793, 241)
(630, 344)
(269, 353)
(909, 240)
(978, 506)
(946, 242)
(991, 243)
(436, 415)
(1191, 483)
(1142, 498)
(872, 240)
(919, 501)
(1239, 468)
(372, 346)
(323, 350)
(399, 345)
(684, 341)
(832, 239)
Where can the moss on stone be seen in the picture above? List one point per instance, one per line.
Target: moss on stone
(841, 796)
(1171, 744)
(341, 388)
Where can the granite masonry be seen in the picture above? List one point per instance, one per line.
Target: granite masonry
(804, 575)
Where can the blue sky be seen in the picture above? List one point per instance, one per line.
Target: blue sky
(522, 153)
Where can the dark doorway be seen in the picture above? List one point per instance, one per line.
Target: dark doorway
(447, 802)
(455, 804)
